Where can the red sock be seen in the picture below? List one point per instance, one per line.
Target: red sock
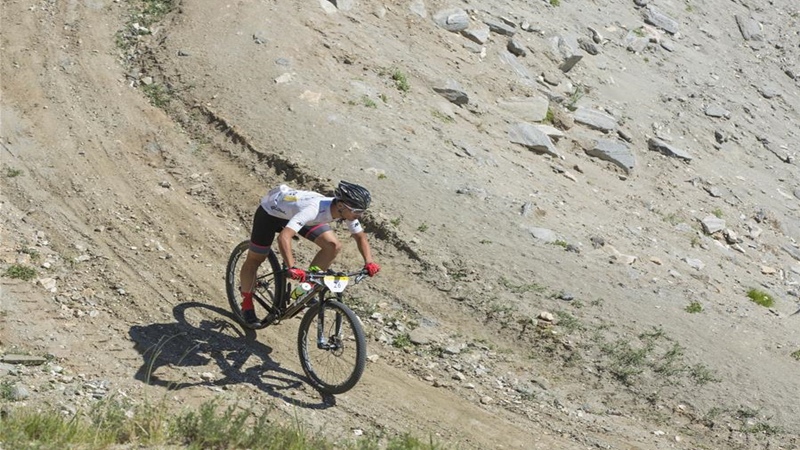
(247, 303)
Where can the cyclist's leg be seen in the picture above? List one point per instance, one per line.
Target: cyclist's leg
(264, 228)
(329, 246)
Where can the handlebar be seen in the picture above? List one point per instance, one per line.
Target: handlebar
(359, 275)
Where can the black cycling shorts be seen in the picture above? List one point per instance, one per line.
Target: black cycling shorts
(265, 226)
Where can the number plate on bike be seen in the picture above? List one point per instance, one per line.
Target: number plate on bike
(336, 284)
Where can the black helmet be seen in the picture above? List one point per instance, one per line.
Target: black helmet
(352, 195)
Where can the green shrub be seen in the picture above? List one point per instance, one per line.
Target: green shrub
(21, 272)
(401, 80)
(11, 173)
(402, 341)
(761, 297)
(694, 307)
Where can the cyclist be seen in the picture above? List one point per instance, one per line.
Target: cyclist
(288, 212)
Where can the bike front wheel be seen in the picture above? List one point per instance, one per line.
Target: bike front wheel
(332, 347)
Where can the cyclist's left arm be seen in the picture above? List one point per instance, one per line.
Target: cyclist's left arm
(363, 246)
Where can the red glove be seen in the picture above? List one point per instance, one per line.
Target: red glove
(372, 269)
(297, 274)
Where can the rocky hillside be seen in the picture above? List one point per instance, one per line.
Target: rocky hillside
(587, 213)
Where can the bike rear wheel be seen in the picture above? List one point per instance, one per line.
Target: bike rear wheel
(336, 363)
(269, 285)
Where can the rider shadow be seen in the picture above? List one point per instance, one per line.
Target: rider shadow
(180, 344)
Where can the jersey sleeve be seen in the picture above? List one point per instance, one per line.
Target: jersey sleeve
(302, 218)
(354, 226)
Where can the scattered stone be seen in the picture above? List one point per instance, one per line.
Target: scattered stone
(750, 28)
(531, 109)
(459, 376)
(597, 38)
(667, 45)
(635, 43)
(207, 376)
(18, 393)
(453, 92)
(486, 400)
(344, 5)
(546, 316)
(285, 78)
(641, 2)
(570, 62)
(615, 152)
(259, 38)
(418, 7)
(595, 119)
(566, 297)
(474, 48)
(358, 432)
(551, 132)
(327, 6)
(516, 49)
(25, 360)
(165, 184)
(731, 237)
(526, 209)
(147, 81)
(454, 20)
(717, 111)
(695, 263)
(543, 234)
(500, 28)
(797, 193)
(82, 258)
(597, 241)
(551, 78)
(529, 136)
(283, 62)
(478, 34)
(183, 53)
(659, 433)
(48, 283)
(452, 349)
(662, 147)
(793, 252)
(766, 270)
(656, 261)
(769, 91)
(712, 224)
(373, 358)
(589, 46)
(658, 19)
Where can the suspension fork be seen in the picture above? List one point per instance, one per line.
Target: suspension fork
(322, 341)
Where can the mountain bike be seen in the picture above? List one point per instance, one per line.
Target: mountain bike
(330, 340)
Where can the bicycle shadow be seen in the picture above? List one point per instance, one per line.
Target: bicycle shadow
(181, 344)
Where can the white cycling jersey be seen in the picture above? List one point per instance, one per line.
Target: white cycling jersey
(302, 208)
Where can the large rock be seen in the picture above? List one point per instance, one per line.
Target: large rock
(500, 27)
(750, 28)
(529, 109)
(662, 147)
(717, 111)
(794, 252)
(418, 7)
(507, 58)
(712, 224)
(344, 5)
(543, 234)
(615, 152)
(595, 119)
(478, 34)
(454, 20)
(454, 92)
(636, 43)
(657, 18)
(529, 136)
(26, 360)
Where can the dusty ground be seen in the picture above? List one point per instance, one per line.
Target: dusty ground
(132, 209)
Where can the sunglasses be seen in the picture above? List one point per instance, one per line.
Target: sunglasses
(354, 210)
